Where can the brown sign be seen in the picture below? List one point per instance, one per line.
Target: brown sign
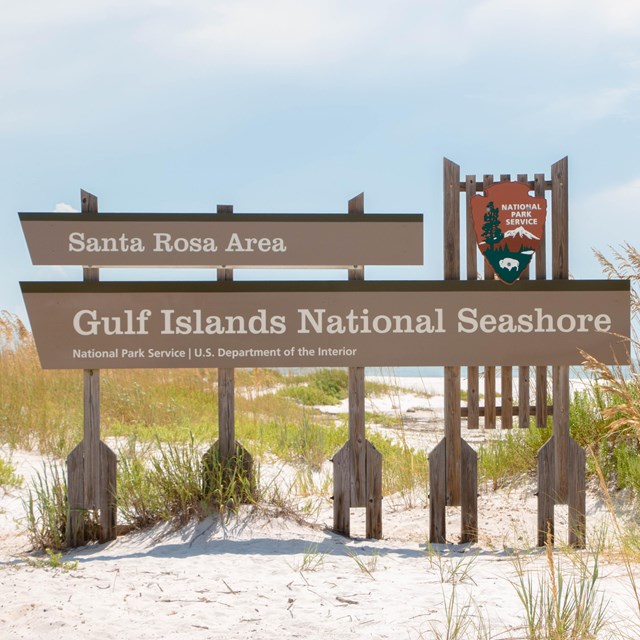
(237, 240)
(132, 325)
(509, 225)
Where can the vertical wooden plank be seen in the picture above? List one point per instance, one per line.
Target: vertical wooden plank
(453, 435)
(356, 398)
(437, 493)
(541, 274)
(469, 504)
(546, 500)
(561, 431)
(473, 395)
(108, 471)
(506, 375)
(451, 185)
(577, 496)
(489, 372)
(226, 381)
(506, 391)
(342, 490)
(523, 372)
(91, 435)
(91, 440)
(452, 414)
(374, 492)
(560, 271)
(560, 219)
(75, 497)
(357, 440)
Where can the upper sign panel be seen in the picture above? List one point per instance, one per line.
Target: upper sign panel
(509, 225)
(237, 240)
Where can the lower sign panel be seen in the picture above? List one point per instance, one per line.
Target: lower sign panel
(144, 325)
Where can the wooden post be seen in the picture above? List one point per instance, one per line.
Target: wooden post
(473, 373)
(357, 466)
(452, 432)
(91, 466)
(356, 397)
(489, 372)
(523, 371)
(226, 383)
(561, 461)
(541, 274)
(506, 374)
(232, 456)
(560, 270)
(452, 463)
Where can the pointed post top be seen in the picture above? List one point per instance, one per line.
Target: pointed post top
(356, 204)
(89, 202)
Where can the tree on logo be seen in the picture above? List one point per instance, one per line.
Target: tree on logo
(491, 231)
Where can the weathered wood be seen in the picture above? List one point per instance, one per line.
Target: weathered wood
(489, 397)
(480, 185)
(91, 440)
(506, 391)
(91, 466)
(576, 496)
(560, 219)
(523, 372)
(489, 372)
(473, 373)
(358, 488)
(226, 381)
(374, 492)
(75, 497)
(540, 187)
(560, 271)
(91, 431)
(236, 470)
(561, 430)
(452, 433)
(546, 492)
(107, 502)
(472, 410)
(357, 440)
(498, 409)
(451, 221)
(506, 373)
(469, 502)
(226, 413)
(525, 410)
(438, 494)
(342, 490)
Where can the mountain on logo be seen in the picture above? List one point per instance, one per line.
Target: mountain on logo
(520, 232)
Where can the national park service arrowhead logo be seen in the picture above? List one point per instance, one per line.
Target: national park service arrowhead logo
(509, 224)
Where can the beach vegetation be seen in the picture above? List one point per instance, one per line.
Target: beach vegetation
(9, 478)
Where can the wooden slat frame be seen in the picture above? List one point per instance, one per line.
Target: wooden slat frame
(560, 271)
(489, 372)
(473, 373)
(523, 372)
(541, 274)
(452, 420)
(226, 381)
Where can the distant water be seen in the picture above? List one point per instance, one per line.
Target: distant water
(427, 372)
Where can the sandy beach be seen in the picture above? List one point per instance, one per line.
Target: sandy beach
(264, 574)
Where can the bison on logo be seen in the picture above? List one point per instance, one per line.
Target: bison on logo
(509, 224)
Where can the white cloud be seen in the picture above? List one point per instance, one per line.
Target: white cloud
(63, 207)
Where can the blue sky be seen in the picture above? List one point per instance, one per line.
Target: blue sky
(296, 106)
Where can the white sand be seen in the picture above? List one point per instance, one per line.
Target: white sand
(243, 578)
